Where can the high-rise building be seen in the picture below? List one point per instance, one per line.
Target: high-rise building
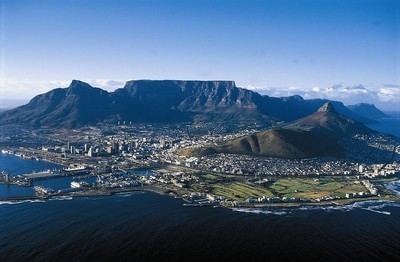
(162, 142)
(90, 152)
(115, 147)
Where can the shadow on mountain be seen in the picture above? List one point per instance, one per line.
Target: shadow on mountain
(316, 135)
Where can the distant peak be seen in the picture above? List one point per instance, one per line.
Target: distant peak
(78, 84)
(327, 107)
(294, 98)
(366, 104)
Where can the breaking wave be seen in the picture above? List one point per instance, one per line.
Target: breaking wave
(58, 198)
(15, 202)
(261, 211)
(129, 194)
(373, 206)
(394, 186)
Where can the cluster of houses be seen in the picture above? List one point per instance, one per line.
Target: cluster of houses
(372, 190)
(178, 179)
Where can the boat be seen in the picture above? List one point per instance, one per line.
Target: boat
(80, 184)
(75, 184)
(41, 190)
(73, 168)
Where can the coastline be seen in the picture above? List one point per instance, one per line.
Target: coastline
(172, 193)
(184, 192)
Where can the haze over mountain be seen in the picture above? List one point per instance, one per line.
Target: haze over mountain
(368, 110)
(312, 136)
(161, 101)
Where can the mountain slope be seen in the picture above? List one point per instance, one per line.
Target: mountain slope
(76, 105)
(161, 101)
(328, 121)
(313, 136)
(175, 100)
(367, 110)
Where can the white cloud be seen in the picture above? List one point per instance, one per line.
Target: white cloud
(107, 84)
(316, 89)
(358, 89)
(26, 89)
(389, 94)
(257, 88)
(385, 96)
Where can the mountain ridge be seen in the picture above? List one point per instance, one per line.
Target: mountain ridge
(369, 110)
(315, 135)
(160, 101)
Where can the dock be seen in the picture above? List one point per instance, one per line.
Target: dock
(52, 174)
(41, 175)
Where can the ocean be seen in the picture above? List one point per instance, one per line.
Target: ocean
(14, 165)
(149, 227)
(143, 226)
(390, 126)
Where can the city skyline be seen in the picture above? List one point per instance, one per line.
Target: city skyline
(339, 50)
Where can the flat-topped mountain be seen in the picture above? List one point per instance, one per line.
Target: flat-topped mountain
(177, 100)
(137, 101)
(161, 101)
(313, 136)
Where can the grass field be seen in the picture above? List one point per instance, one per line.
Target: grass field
(210, 177)
(214, 179)
(240, 191)
(314, 188)
(307, 188)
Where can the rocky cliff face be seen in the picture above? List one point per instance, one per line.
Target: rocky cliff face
(159, 101)
(138, 101)
(194, 96)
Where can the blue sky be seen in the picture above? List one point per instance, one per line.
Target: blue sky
(345, 50)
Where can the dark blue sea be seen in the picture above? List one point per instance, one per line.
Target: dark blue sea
(389, 126)
(148, 227)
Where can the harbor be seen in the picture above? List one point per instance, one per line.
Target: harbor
(26, 179)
